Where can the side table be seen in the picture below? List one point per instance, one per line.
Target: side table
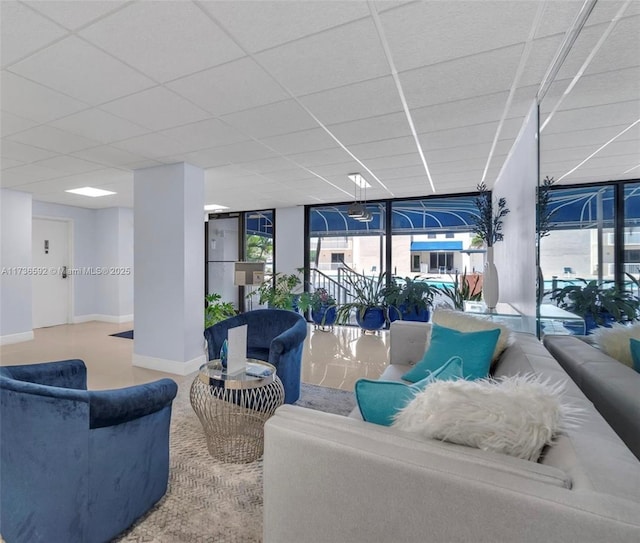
(234, 408)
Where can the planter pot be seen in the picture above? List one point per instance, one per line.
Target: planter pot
(372, 320)
(591, 325)
(324, 316)
(414, 314)
(490, 283)
(394, 314)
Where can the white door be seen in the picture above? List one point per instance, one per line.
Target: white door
(50, 250)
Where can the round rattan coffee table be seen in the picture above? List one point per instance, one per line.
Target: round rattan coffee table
(234, 408)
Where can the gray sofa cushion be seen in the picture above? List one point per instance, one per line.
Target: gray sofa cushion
(613, 387)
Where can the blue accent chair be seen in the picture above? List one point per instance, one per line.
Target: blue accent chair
(275, 336)
(78, 465)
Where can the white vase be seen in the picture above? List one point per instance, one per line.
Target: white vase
(490, 284)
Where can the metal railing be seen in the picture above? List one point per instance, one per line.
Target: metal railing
(333, 286)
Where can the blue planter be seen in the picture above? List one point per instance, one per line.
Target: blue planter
(325, 316)
(373, 319)
(414, 314)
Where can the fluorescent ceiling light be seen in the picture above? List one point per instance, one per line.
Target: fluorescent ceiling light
(90, 191)
(214, 207)
(359, 180)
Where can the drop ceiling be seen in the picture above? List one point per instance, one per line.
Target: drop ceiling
(279, 101)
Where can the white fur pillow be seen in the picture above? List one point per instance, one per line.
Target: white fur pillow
(464, 322)
(614, 341)
(516, 415)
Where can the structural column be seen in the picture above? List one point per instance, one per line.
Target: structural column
(169, 268)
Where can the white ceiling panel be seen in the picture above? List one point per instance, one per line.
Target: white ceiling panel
(109, 156)
(68, 165)
(456, 137)
(164, 40)
(593, 117)
(267, 165)
(578, 154)
(259, 24)
(485, 73)
(24, 153)
(357, 101)
(384, 127)
(25, 174)
(622, 48)
(237, 152)
(271, 120)
(383, 147)
(80, 70)
(24, 31)
(340, 56)
(449, 30)
(53, 139)
(9, 163)
(150, 145)
(300, 142)
(156, 109)
(205, 134)
(10, 123)
(311, 159)
(234, 86)
(73, 14)
(557, 17)
(35, 102)
(100, 126)
(394, 161)
(595, 137)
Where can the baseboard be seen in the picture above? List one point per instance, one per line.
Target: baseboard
(168, 366)
(18, 338)
(115, 319)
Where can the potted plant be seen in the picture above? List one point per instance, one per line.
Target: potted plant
(409, 299)
(216, 310)
(368, 300)
(598, 304)
(322, 305)
(280, 291)
(461, 290)
(488, 227)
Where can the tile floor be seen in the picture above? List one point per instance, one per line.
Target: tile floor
(333, 359)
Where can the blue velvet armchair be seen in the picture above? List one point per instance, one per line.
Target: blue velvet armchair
(77, 465)
(275, 336)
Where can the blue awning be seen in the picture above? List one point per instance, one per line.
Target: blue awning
(436, 246)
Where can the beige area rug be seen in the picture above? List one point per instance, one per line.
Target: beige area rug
(207, 500)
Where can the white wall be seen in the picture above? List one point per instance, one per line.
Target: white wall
(15, 251)
(289, 239)
(515, 257)
(125, 259)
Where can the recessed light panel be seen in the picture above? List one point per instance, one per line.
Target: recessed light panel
(214, 207)
(90, 191)
(359, 180)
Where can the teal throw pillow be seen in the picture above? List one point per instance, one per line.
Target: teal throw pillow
(379, 401)
(635, 353)
(475, 348)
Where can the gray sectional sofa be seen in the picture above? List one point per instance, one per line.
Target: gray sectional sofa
(613, 387)
(329, 478)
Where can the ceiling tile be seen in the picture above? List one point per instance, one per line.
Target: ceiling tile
(271, 120)
(68, 165)
(394, 146)
(238, 152)
(485, 73)
(300, 142)
(23, 153)
(53, 139)
(156, 109)
(10, 123)
(451, 30)
(312, 159)
(389, 126)
(594, 117)
(80, 70)
(357, 101)
(28, 173)
(149, 145)
(9, 163)
(234, 86)
(35, 102)
(267, 165)
(205, 134)
(259, 25)
(340, 56)
(109, 156)
(621, 49)
(394, 161)
(164, 40)
(73, 14)
(99, 125)
(457, 137)
(24, 31)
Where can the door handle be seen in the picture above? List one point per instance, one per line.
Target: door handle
(64, 272)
